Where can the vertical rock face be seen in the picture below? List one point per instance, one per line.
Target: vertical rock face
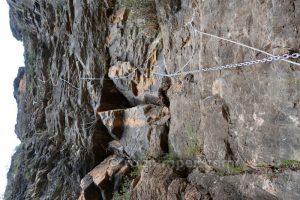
(62, 137)
(253, 111)
(99, 117)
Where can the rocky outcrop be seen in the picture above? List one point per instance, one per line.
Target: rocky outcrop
(142, 130)
(62, 138)
(249, 186)
(104, 111)
(162, 182)
(244, 112)
(104, 179)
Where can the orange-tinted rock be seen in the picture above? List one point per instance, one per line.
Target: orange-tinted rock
(146, 126)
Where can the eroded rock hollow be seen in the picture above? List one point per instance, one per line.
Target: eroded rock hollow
(108, 110)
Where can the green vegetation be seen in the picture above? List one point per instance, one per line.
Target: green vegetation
(148, 155)
(136, 171)
(190, 132)
(28, 174)
(193, 150)
(231, 169)
(290, 164)
(30, 56)
(16, 164)
(196, 146)
(285, 178)
(124, 193)
(30, 53)
(169, 158)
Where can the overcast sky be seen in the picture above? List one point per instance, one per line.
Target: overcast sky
(11, 58)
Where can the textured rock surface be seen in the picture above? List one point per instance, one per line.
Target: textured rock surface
(142, 130)
(103, 180)
(62, 137)
(158, 181)
(258, 103)
(91, 91)
(249, 186)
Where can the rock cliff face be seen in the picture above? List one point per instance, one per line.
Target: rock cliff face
(98, 120)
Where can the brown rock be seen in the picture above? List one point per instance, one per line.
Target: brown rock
(154, 182)
(106, 169)
(180, 189)
(160, 181)
(138, 87)
(97, 183)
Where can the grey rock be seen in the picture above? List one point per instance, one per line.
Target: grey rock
(262, 113)
(249, 186)
(76, 108)
(142, 130)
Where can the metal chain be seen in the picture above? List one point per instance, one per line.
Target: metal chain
(253, 62)
(216, 68)
(230, 66)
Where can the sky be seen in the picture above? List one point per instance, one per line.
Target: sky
(11, 58)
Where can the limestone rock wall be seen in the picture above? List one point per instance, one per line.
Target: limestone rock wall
(98, 120)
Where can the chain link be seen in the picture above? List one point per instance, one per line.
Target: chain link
(216, 68)
(231, 66)
(253, 62)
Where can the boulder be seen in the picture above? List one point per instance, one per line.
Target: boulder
(103, 180)
(141, 130)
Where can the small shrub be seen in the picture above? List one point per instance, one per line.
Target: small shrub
(136, 171)
(124, 193)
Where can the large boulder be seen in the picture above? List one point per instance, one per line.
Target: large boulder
(104, 179)
(142, 130)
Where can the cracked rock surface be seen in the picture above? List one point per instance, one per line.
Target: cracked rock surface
(97, 120)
